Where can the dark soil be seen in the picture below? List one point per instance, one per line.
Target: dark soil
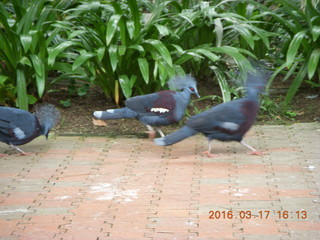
(78, 119)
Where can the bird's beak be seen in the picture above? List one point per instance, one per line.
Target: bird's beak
(46, 132)
(196, 92)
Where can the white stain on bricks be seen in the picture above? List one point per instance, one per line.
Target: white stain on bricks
(112, 191)
(62, 198)
(236, 192)
(19, 210)
(241, 192)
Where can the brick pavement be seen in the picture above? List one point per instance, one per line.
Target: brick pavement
(127, 188)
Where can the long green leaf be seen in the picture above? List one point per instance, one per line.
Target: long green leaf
(40, 73)
(130, 28)
(218, 31)
(233, 52)
(224, 87)
(38, 64)
(296, 83)
(179, 70)
(25, 24)
(82, 59)
(112, 27)
(294, 46)
(144, 69)
(213, 57)
(245, 33)
(125, 85)
(54, 52)
(188, 55)
(22, 100)
(100, 52)
(315, 31)
(135, 17)
(162, 49)
(313, 63)
(133, 80)
(113, 53)
(163, 72)
(41, 84)
(26, 40)
(162, 29)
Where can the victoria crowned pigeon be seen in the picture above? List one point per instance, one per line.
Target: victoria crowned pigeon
(158, 109)
(225, 122)
(18, 127)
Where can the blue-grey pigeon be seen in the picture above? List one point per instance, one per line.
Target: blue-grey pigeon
(157, 109)
(225, 122)
(18, 127)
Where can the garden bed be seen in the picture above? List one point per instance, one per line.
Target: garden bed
(78, 119)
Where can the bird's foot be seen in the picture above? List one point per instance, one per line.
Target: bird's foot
(151, 132)
(151, 135)
(210, 155)
(4, 155)
(258, 153)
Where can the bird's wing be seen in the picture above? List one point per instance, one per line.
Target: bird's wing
(6, 125)
(156, 104)
(226, 117)
(12, 122)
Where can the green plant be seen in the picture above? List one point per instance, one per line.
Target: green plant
(298, 24)
(7, 90)
(28, 40)
(66, 103)
(270, 107)
(134, 46)
(291, 114)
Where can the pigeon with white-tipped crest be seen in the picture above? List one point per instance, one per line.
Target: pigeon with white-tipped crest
(227, 121)
(18, 127)
(157, 109)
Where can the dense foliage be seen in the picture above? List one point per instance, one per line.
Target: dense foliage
(133, 47)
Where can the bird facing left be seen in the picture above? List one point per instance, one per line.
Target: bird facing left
(18, 127)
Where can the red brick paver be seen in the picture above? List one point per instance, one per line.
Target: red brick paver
(127, 188)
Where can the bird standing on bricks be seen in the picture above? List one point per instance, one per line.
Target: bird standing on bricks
(227, 121)
(18, 127)
(157, 109)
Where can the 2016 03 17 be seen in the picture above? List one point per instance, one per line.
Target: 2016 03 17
(263, 214)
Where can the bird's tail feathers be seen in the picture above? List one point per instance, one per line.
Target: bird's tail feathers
(175, 137)
(115, 114)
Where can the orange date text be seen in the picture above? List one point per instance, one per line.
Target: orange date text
(263, 214)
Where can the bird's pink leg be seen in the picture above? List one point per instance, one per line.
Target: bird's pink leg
(209, 154)
(254, 151)
(4, 155)
(151, 132)
(22, 153)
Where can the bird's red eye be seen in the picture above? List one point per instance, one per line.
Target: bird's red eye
(192, 89)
